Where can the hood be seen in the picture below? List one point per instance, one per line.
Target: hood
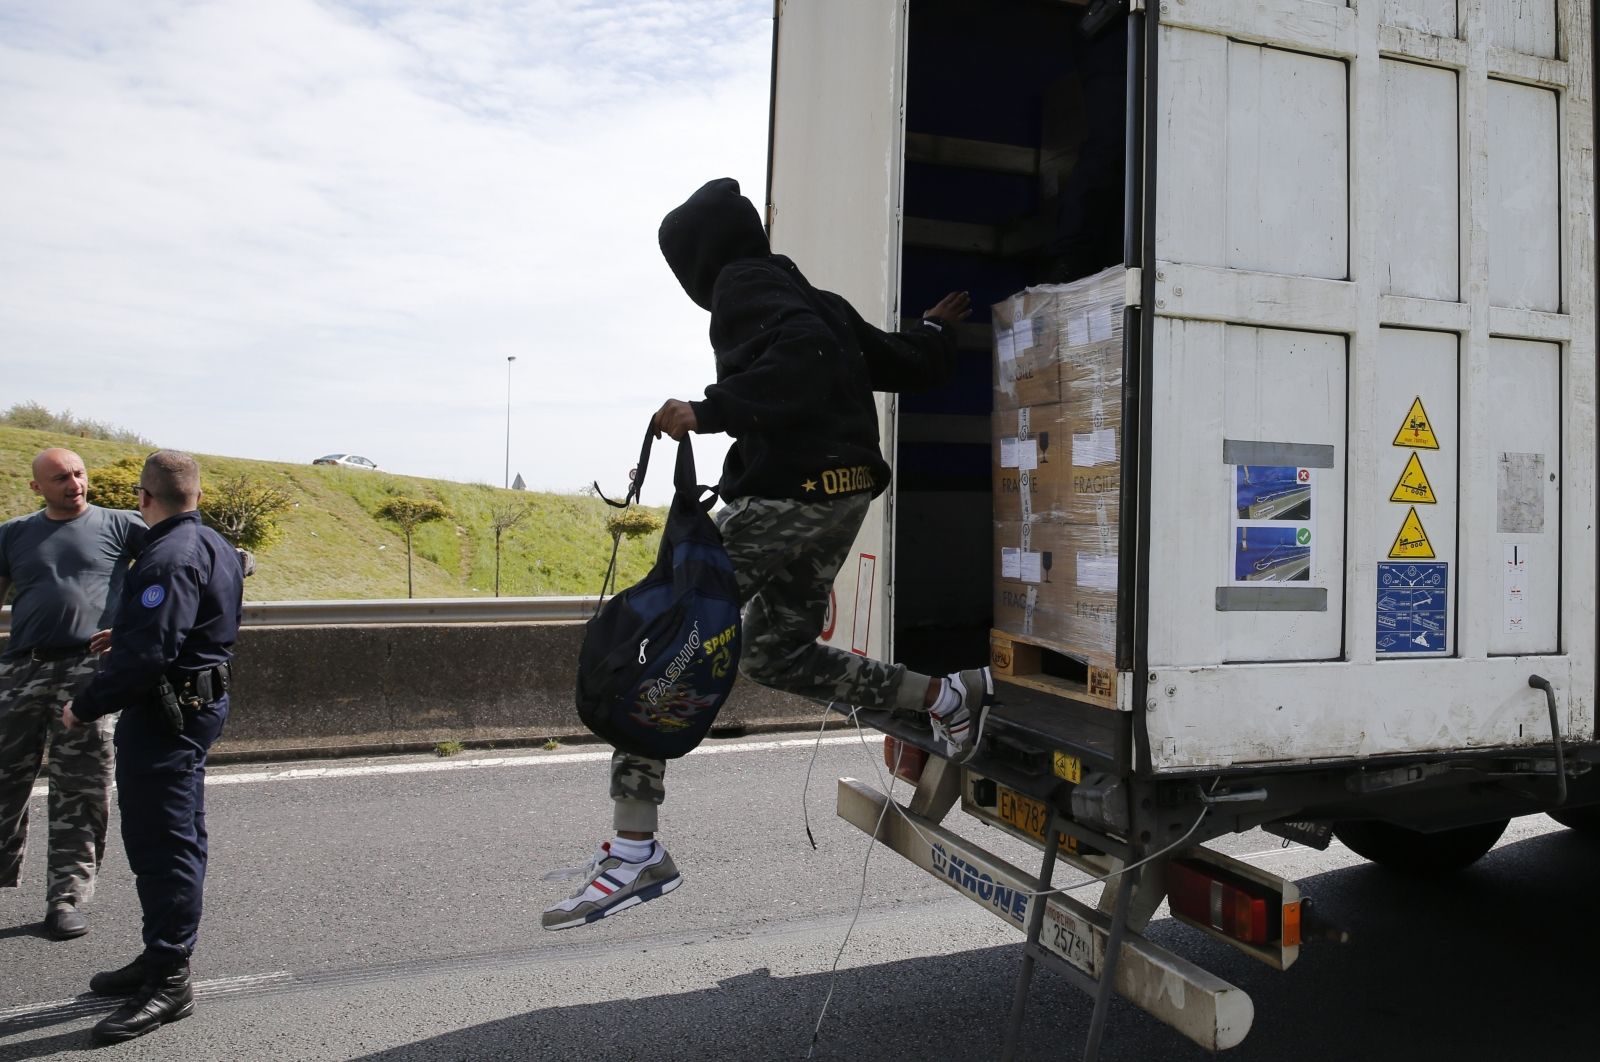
(713, 227)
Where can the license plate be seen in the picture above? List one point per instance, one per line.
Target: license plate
(1073, 938)
(1026, 814)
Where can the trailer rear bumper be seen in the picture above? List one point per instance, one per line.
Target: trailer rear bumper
(1214, 1014)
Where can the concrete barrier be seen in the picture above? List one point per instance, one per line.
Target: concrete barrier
(341, 690)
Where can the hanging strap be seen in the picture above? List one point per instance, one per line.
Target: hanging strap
(636, 477)
(684, 480)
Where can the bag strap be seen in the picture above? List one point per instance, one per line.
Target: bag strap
(684, 480)
(636, 477)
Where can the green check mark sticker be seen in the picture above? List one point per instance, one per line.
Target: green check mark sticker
(1303, 536)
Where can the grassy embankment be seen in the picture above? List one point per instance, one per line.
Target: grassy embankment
(331, 546)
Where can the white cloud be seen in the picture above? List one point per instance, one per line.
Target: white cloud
(277, 230)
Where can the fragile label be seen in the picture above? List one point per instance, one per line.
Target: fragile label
(1078, 330)
(1031, 566)
(1516, 582)
(1094, 448)
(1100, 325)
(1022, 334)
(1010, 563)
(1097, 571)
(1005, 344)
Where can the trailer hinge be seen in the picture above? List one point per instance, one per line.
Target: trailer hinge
(1132, 286)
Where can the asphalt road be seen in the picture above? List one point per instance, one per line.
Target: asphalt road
(374, 910)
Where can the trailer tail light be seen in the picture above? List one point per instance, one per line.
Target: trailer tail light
(904, 760)
(1243, 910)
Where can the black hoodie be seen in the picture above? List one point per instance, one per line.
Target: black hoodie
(796, 366)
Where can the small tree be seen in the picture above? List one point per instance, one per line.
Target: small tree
(116, 486)
(631, 523)
(242, 510)
(408, 514)
(503, 516)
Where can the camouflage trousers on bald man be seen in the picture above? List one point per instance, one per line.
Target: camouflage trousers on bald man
(81, 762)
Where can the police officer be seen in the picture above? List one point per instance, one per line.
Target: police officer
(167, 670)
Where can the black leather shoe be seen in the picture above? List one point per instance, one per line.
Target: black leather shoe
(123, 982)
(64, 921)
(165, 997)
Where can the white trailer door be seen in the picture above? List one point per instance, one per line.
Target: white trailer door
(833, 205)
(1370, 480)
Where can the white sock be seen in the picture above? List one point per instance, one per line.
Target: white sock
(947, 701)
(631, 851)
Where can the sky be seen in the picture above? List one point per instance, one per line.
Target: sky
(279, 230)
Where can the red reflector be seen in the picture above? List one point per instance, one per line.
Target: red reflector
(905, 761)
(1234, 907)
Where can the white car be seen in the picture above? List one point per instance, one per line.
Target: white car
(347, 461)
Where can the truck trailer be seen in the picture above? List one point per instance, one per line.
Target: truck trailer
(1266, 482)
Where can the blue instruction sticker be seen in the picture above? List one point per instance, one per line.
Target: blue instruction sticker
(1413, 608)
(153, 595)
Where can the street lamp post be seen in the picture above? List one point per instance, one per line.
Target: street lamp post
(509, 360)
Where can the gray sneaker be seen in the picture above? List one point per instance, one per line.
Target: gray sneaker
(613, 884)
(961, 729)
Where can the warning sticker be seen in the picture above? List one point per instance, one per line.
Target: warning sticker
(1413, 608)
(1516, 582)
(1417, 431)
(1412, 541)
(1413, 485)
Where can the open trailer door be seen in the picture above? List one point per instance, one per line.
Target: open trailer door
(833, 205)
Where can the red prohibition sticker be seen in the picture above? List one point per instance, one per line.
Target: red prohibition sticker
(830, 618)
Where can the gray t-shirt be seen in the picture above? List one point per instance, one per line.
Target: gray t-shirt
(63, 573)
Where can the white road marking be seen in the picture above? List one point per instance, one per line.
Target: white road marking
(293, 774)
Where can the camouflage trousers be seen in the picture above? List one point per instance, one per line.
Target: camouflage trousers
(785, 554)
(81, 765)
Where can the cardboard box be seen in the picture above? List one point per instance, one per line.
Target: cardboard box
(1056, 585)
(1031, 446)
(1026, 350)
(1055, 340)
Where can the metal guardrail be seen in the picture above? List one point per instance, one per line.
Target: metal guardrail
(402, 610)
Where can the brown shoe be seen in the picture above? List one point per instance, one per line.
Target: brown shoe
(64, 921)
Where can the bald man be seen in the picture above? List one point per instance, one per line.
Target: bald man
(62, 561)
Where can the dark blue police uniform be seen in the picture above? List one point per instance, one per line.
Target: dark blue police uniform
(179, 617)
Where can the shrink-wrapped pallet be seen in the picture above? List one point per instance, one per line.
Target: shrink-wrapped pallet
(1057, 464)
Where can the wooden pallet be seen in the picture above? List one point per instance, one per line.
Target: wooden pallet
(1023, 661)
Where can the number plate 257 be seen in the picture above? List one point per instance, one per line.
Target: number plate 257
(1074, 939)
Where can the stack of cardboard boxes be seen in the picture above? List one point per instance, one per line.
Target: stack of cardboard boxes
(1057, 464)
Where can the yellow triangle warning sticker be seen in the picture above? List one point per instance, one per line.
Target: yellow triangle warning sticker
(1413, 485)
(1412, 541)
(1417, 431)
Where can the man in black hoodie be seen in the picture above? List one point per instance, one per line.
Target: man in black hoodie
(796, 372)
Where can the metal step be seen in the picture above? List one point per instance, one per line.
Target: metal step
(1203, 1007)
